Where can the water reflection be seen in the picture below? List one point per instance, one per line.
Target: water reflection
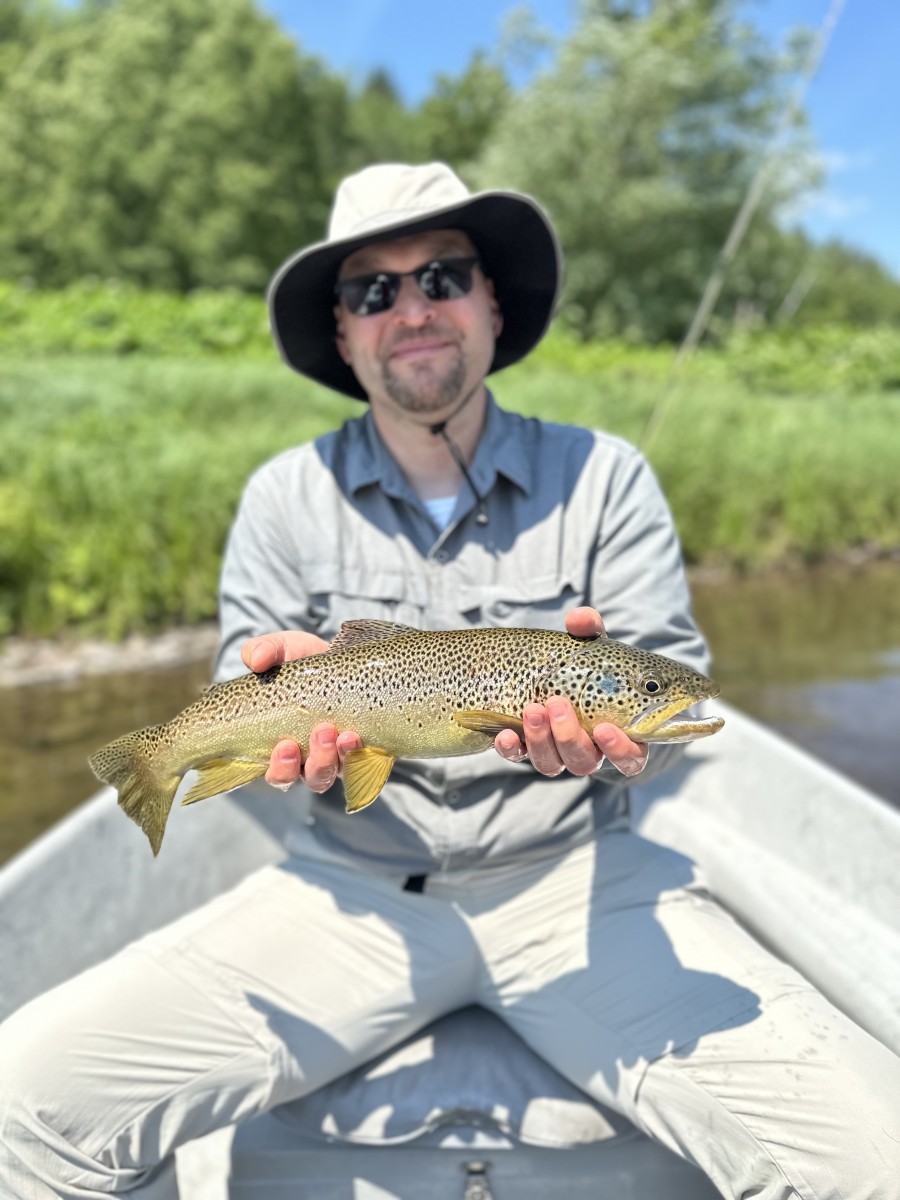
(816, 656)
(47, 731)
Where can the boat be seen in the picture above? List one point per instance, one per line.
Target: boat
(463, 1110)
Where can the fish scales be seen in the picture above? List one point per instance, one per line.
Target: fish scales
(407, 693)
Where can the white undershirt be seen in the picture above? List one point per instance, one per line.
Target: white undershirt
(440, 509)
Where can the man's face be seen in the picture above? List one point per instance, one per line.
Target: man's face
(423, 356)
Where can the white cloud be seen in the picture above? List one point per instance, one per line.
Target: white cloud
(831, 206)
(840, 162)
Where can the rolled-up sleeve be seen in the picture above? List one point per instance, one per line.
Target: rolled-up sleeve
(261, 587)
(639, 585)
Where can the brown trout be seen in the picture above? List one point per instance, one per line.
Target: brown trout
(408, 693)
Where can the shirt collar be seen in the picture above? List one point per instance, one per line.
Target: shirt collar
(500, 451)
(503, 449)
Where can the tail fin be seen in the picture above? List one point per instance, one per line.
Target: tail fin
(145, 792)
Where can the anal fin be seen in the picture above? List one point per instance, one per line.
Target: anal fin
(221, 775)
(365, 772)
(483, 721)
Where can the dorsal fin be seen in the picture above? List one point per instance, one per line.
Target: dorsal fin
(355, 633)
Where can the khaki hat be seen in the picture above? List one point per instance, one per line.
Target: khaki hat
(516, 244)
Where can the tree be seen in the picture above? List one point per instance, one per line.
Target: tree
(451, 124)
(846, 286)
(457, 120)
(172, 142)
(22, 23)
(641, 138)
(380, 127)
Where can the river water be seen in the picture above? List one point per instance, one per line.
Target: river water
(814, 655)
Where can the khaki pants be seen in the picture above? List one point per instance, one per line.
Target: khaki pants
(611, 961)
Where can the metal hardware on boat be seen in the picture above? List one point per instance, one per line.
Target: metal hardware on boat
(477, 1185)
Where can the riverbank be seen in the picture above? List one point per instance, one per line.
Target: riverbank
(31, 661)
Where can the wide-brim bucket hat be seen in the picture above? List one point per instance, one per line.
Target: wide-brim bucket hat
(516, 243)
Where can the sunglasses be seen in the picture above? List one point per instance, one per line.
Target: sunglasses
(440, 279)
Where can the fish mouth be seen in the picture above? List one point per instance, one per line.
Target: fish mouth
(666, 722)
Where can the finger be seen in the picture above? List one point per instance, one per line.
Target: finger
(509, 746)
(573, 744)
(322, 761)
(261, 653)
(347, 741)
(271, 649)
(539, 740)
(284, 765)
(585, 622)
(627, 756)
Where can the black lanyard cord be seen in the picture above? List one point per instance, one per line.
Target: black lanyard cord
(440, 430)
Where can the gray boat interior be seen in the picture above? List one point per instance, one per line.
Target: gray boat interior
(802, 856)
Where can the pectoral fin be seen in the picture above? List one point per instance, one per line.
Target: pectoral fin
(221, 775)
(489, 722)
(365, 772)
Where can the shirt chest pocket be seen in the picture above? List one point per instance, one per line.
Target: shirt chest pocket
(540, 603)
(338, 592)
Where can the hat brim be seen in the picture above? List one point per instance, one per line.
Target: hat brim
(516, 244)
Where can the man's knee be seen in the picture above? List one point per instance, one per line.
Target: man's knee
(40, 1100)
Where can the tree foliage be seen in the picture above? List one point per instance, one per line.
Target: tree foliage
(459, 117)
(178, 144)
(642, 137)
(21, 24)
(166, 141)
(451, 124)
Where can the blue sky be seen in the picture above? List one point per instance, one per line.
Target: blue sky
(853, 103)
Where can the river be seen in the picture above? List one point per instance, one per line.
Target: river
(814, 655)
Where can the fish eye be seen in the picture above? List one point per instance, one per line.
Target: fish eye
(652, 684)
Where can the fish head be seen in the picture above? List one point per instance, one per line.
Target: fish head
(643, 693)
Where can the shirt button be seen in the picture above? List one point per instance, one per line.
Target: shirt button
(453, 797)
(442, 556)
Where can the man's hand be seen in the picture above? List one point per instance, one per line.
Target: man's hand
(327, 747)
(554, 739)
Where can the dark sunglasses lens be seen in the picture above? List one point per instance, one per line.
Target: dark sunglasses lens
(440, 280)
(446, 280)
(370, 293)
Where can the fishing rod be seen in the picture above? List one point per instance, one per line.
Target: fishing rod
(739, 227)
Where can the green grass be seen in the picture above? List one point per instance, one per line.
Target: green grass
(119, 476)
(118, 481)
(753, 478)
(116, 319)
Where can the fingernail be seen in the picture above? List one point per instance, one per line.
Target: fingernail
(631, 766)
(533, 719)
(556, 709)
(327, 737)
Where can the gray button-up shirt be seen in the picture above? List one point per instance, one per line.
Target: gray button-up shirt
(331, 531)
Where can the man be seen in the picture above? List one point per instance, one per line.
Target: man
(478, 879)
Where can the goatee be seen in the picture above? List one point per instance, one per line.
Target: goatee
(424, 389)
